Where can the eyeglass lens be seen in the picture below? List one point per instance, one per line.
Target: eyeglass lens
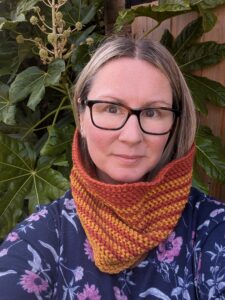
(113, 116)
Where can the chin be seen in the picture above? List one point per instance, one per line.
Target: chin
(119, 178)
(123, 179)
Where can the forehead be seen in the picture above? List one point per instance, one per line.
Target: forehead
(131, 80)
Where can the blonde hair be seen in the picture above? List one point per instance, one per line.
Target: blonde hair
(183, 134)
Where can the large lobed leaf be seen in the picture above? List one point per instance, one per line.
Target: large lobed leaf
(208, 19)
(8, 57)
(201, 55)
(58, 140)
(14, 14)
(7, 110)
(210, 154)
(172, 5)
(158, 14)
(207, 4)
(33, 81)
(24, 176)
(204, 89)
(197, 180)
(188, 36)
(167, 9)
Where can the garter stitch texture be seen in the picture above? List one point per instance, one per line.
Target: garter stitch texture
(123, 222)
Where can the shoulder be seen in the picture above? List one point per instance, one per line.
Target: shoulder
(204, 217)
(209, 244)
(207, 212)
(48, 222)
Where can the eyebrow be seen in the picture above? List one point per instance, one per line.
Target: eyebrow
(118, 100)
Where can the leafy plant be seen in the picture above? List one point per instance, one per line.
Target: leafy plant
(192, 55)
(43, 46)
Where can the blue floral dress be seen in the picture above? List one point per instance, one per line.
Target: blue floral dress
(48, 256)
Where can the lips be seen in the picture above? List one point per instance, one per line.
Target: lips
(129, 156)
(128, 159)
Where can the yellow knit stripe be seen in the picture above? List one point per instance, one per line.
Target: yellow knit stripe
(154, 193)
(112, 237)
(148, 209)
(159, 214)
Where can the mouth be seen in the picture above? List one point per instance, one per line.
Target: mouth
(129, 158)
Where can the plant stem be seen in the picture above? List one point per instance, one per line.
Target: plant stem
(149, 31)
(58, 110)
(54, 28)
(44, 118)
(58, 89)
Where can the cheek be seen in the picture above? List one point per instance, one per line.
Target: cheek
(157, 144)
(98, 141)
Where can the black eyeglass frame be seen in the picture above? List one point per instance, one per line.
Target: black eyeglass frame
(136, 112)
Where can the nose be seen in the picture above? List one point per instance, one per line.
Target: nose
(131, 132)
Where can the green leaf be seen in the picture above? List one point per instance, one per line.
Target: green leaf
(80, 57)
(198, 182)
(58, 140)
(127, 16)
(80, 36)
(208, 4)
(61, 161)
(55, 70)
(33, 81)
(210, 154)
(25, 6)
(22, 175)
(11, 25)
(199, 99)
(7, 111)
(201, 55)
(188, 35)
(91, 11)
(172, 5)
(29, 82)
(17, 14)
(208, 19)
(167, 40)
(8, 57)
(204, 89)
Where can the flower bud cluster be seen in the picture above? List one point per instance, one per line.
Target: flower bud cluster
(57, 34)
(20, 39)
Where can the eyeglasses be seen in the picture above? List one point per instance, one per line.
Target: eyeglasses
(113, 116)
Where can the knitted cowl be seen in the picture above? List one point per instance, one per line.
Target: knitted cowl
(124, 221)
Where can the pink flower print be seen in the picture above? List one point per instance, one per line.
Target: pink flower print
(170, 248)
(33, 283)
(3, 252)
(89, 293)
(78, 273)
(69, 203)
(38, 215)
(12, 236)
(88, 250)
(119, 295)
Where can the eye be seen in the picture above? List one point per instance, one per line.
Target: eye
(112, 108)
(149, 113)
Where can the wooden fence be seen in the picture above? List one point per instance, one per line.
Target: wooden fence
(216, 115)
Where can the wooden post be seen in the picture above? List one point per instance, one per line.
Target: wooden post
(112, 9)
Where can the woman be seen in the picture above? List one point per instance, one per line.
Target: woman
(131, 227)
